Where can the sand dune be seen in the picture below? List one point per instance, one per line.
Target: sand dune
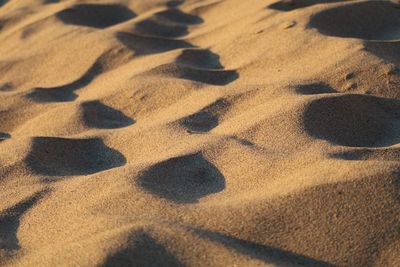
(199, 133)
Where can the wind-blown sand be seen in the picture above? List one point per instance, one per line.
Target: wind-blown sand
(199, 133)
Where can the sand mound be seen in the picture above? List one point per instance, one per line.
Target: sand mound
(199, 133)
(337, 220)
(371, 20)
(107, 61)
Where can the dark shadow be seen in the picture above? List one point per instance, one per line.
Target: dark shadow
(4, 136)
(183, 179)
(55, 94)
(10, 221)
(199, 58)
(370, 20)
(53, 156)
(95, 15)
(202, 121)
(151, 27)
(214, 77)
(146, 45)
(314, 88)
(206, 119)
(267, 254)
(175, 15)
(2, 3)
(98, 115)
(384, 154)
(199, 65)
(157, 34)
(142, 250)
(107, 61)
(243, 141)
(351, 119)
(296, 4)
(388, 51)
(65, 93)
(175, 3)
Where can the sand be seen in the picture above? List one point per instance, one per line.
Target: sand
(199, 133)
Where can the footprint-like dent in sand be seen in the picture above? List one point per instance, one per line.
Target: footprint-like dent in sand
(199, 65)
(183, 179)
(142, 250)
(10, 221)
(98, 115)
(202, 121)
(207, 76)
(95, 15)
(146, 45)
(369, 20)
(152, 27)
(353, 120)
(206, 119)
(53, 156)
(314, 88)
(199, 58)
(174, 15)
(56, 94)
(326, 215)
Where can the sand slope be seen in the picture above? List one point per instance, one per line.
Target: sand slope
(199, 133)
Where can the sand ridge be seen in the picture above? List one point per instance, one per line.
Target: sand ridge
(199, 133)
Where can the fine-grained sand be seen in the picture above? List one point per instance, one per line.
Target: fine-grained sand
(199, 133)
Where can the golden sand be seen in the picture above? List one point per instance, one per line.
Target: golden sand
(199, 133)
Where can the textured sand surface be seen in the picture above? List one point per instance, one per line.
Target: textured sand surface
(199, 133)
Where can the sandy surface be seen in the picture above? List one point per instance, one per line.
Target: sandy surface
(199, 133)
